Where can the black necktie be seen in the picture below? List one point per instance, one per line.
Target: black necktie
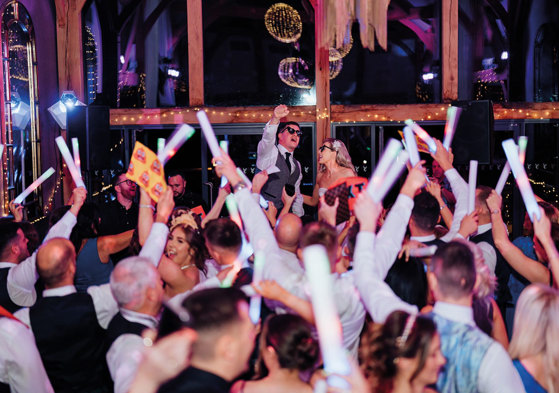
(287, 155)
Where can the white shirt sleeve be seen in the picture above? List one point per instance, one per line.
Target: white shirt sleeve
(391, 235)
(104, 303)
(176, 301)
(460, 191)
(23, 315)
(20, 363)
(22, 277)
(123, 359)
(378, 297)
(497, 373)
(155, 243)
(267, 153)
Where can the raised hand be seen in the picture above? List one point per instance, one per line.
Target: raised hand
(494, 201)
(279, 112)
(415, 180)
(79, 194)
(469, 224)
(367, 212)
(442, 156)
(224, 166)
(326, 212)
(258, 181)
(17, 211)
(165, 206)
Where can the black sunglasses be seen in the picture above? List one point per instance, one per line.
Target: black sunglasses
(293, 131)
(321, 148)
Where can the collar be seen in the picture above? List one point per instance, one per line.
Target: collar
(283, 150)
(455, 312)
(141, 318)
(483, 228)
(424, 239)
(7, 264)
(60, 291)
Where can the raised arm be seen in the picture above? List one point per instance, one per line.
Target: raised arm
(217, 206)
(265, 153)
(532, 270)
(145, 216)
(157, 239)
(542, 229)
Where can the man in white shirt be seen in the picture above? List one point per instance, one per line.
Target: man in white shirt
(287, 232)
(278, 161)
(473, 359)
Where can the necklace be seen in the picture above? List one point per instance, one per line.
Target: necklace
(187, 266)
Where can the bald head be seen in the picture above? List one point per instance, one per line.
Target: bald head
(56, 262)
(288, 230)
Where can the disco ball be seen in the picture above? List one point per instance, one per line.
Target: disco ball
(335, 61)
(294, 71)
(283, 22)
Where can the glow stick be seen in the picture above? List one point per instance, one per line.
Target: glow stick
(452, 116)
(160, 145)
(388, 156)
(503, 179)
(228, 280)
(246, 180)
(33, 186)
(208, 133)
(411, 145)
(423, 252)
(181, 134)
(225, 147)
(472, 183)
(65, 152)
(317, 267)
(233, 210)
(76, 152)
(256, 300)
(391, 176)
(522, 180)
(422, 134)
(522, 145)
(1, 150)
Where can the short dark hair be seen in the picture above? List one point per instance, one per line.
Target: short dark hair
(283, 125)
(319, 232)
(224, 233)
(212, 311)
(176, 172)
(482, 195)
(116, 176)
(8, 233)
(408, 281)
(426, 211)
(87, 226)
(453, 265)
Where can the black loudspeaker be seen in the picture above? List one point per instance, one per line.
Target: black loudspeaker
(473, 135)
(90, 124)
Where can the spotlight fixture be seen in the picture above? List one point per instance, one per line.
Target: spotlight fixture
(67, 102)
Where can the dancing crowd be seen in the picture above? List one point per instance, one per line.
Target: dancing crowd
(144, 296)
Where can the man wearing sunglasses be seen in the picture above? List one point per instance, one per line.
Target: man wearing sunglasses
(275, 156)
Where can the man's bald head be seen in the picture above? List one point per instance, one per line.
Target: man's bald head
(56, 261)
(288, 230)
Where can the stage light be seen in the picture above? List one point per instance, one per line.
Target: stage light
(20, 115)
(173, 73)
(68, 101)
(308, 98)
(428, 76)
(121, 59)
(504, 55)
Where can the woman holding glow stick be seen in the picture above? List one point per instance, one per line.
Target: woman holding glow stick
(334, 163)
(286, 349)
(403, 355)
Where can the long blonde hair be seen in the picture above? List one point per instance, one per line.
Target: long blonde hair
(343, 158)
(536, 330)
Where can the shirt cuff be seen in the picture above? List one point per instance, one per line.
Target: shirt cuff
(366, 237)
(451, 174)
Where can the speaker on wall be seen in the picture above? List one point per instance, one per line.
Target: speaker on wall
(90, 124)
(473, 137)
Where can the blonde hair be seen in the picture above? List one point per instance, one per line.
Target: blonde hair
(536, 330)
(343, 158)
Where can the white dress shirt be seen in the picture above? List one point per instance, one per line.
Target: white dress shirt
(156, 242)
(22, 276)
(496, 374)
(267, 155)
(20, 363)
(346, 297)
(125, 353)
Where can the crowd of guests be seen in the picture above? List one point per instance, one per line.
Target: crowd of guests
(145, 297)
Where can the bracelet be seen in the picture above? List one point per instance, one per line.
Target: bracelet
(148, 207)
(239, 186)
(496, 211)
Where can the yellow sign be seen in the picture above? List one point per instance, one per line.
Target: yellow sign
(146, 170)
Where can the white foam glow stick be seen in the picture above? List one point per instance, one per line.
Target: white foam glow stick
(1, 150)
(391, 176)
(522, 180)
(208, 133)
(421, 133)
(76, 153)
(319, 276)
(65, 152)
(246, 180)
(411, 145)
(423, 251)
(232, 275)
(234, 215)
(181, 134)
(503, 179)
(390, 153)
(472, 184)
(522, 145)
(256, 300)
(33, 186)
(225, 147)
(452, 116)
(160, 145)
